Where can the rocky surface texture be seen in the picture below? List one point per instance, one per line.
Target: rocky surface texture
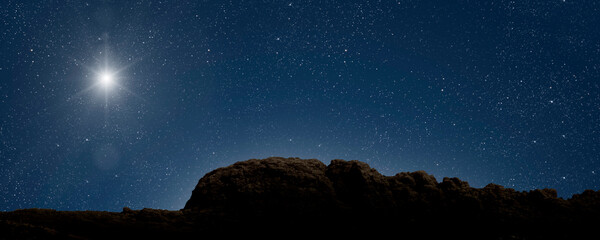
(303, 197)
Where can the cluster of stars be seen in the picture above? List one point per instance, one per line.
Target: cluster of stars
(502, 92)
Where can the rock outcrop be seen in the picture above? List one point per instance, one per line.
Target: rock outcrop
(296, 186)
(291, 195)
(292, 191)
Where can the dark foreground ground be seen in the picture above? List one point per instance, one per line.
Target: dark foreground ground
(281, 197)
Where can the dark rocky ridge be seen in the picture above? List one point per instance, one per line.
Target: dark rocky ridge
(291, 195)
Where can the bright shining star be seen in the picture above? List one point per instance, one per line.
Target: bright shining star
(106, 79)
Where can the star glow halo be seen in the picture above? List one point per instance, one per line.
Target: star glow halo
(106, 79)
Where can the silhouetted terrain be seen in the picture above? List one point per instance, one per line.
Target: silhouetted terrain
(290, 197)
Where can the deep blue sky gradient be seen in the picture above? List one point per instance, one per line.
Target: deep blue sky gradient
(488, 91)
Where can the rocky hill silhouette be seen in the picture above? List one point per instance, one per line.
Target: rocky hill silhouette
(288, 197)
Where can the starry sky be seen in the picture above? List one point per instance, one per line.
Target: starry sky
(106, 104)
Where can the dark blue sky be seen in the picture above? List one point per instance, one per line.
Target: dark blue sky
(488, 91)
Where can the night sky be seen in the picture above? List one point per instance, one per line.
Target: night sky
(106, 104)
